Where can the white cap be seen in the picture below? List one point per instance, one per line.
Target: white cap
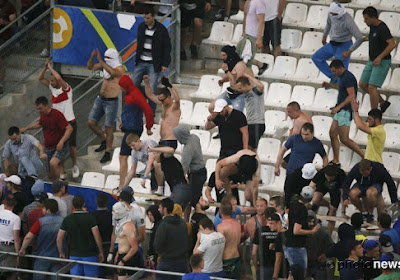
(308, 171)
(219, 105)
(307, 192)
(13, 179)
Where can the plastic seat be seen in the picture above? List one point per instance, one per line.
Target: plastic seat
(361, 137)
(279, 182)
(396, 57)
(390, 5)
(359, 20)
(210, 166)
(393, 111)
(204, 136)
(267, 174)
(366, 105)
(265, 58)
(366, 3)
(295, 14)
(112, 182)
(324, 100)
(93, 179)
(186, 110)
(221, 32)
(238, 17)
(278, 95)
(312, 41)
(322, 125)
(345, 156)
(291, 39)
(391, 161)
(273, 118)
(284, 67)
(395, 80)
(306, 70)
(304, 95)
(317, 17)
(137, 187)
(200, 114)
(268, 149)
(386, 82)
(392, 20)
(362, 52)
(155, 136)
(214, 147)
(113, 166)
(356, 69)
(318, 162)
(350, 12)
(208, 88)
(392, 135)
(237, 34)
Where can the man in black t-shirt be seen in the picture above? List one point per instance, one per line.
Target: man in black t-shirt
(232, 126)
(328, 180)
(381, 43)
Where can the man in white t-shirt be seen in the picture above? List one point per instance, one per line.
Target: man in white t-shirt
(273, 26)
(10, 241)
(58, 187)
(211, 244)
(61, 98)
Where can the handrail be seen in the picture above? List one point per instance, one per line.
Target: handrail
(20, 16)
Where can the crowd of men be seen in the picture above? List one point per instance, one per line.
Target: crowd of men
(286, 237)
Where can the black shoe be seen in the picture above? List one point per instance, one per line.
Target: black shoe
(183, 55)
(369, 218)
(165, 82)
(384, 106)
(194, 52)
(263, 68)
(335, 164)
(106, 157)
(217, 136)
(220, 14)
(102, 147)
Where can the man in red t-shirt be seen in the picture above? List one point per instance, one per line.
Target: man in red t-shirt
(56, 132)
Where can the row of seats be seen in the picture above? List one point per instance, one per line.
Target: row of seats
(390, 5)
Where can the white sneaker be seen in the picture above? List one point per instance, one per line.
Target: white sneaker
(160, 191)
(44, 53)
(75, 171)
(63, 176)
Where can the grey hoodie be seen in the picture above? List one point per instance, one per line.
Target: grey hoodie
(192, 157)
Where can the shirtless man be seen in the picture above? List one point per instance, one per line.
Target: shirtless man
(107, 102)
(127, 242)
(245, 165)
(231, 230)
(257, 221)
(299, 118)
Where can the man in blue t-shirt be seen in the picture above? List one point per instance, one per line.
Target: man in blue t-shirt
(342, 112)
(197, 264)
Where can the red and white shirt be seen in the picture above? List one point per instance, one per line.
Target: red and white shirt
(62, 101)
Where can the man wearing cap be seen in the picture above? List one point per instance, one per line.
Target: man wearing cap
(384, 224)
(371, 254)
(297, 180)
(232, 127)
(370, 178)
(58, 188)
(349, 268)
(328, 180)
(387, 247)
(107, 101)
(23, 148)
(14, 185)
(39, 195)
(341, 28)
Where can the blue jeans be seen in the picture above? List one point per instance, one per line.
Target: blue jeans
(141, 69)
(327, 51)
(85, 269)
(174, 266)
(238, 103)
(297, 256)
(44, 265)
(31, 165)
(103, 107)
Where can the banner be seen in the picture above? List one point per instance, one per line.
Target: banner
(78, 31)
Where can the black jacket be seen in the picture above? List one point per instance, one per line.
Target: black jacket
(161, 48)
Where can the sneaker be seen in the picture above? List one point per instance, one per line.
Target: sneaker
(194, 51)
(160, 191)
(220, 14)
(263, 68)
(102, 147)
(369, 218)
(44, 53)
(75, 171)
(63, 177)
(226, 18)
(334, 164)
(106, 157)
(384, 106)
(183, 55)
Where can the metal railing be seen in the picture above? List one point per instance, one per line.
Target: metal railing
(68, 264)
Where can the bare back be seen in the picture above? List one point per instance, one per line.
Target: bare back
(123, 243)
(110, 87)
(231, 229)
(298, 123)
(170, 117)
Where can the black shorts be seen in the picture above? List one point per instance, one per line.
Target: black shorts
(132, 262)
(196, 181)
(169, 143)
(187, 16)
(153, 180)
(256, 131)
(72, 137)
(125, 148)
(334, 194)
(272, 32)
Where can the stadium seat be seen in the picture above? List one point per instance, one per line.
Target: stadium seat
(204, 136)
(186, 110)
(321, 127)
(295, 14)
(395, 80)
(113, 166)
(362, 52)
(237, 35)
(200, 114)
(137, 187)
(318, 162)
(366, 105)
(112, 182)
(390, 5)
(291, 39)
(396, 57)
(284, 67)
(267, 174)
(264, 195)
(359, 20)
(238, 17)
(279, 182)
(324, 100)
(265, 58)
(392, 20)
(214, 147)
(208, 88)
(392, 135)
(365, 3)
(345, 156)
(93, 179)
(353, 130)
(268, 149)
(391, 161)
(213, 193)
(312, 41)
(221, 32)
(393, 112)
(155, 136)
(350, 12)
(210, 166)
(278, 95)
(361, 137)
(386, 83)
(306, 71)
(356, 69)
(304, 95)
(273, 118)
(317, 16)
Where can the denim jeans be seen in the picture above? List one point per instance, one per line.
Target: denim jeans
(174, 266)
(32, 165)
(141, 69)
(44, 265)
(238, 103)
(296, 256)
(327, 51)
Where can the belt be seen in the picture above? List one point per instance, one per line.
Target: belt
(108, 99)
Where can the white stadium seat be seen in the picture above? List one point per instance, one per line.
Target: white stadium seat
(390, 5)
(204, 136)
(279, 182)
(304, 95)
(321, 127)
(284, 67)
(295, 14)
(324, 100)
(312, 41)
(112, 182)
(359, 20)
(272, 119)
(268, 149)
(278, 95)
(238, 17)
(237, 34)
(214, 147)
(365, 3)
(155, 136)
(317, 17)
(392, 21)
(356, 69)
(306, 70)
(393, 112)
(362, 52)
(208, 87)
(291, 39)
(186, 110)
(366, 105)
(113, 166)
(345, 156)
(350, 12)
(386, 83)
(137, 187)
(221, 31)
(396, 57)
(391, 161)
(318, 162)
(265, 58)
(392, 135)
(200, 114)
(267, 174)
(210, 166)
(395, 80)
(93, 179)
